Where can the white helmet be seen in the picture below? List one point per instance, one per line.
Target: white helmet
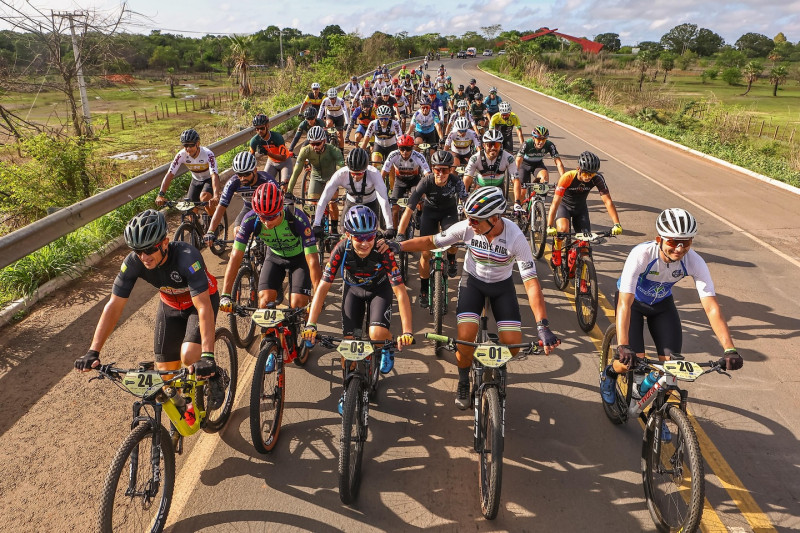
(316, 134)
(676, 223)
(492, 136)
(485, 202)
(461, 123)
(504, 107)
(463, 104)
(244, 162)
(314, 85)
(332, 92)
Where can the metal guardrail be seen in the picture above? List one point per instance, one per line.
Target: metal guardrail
(39, 234)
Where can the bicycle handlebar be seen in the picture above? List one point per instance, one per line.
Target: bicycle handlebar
(645, 363)
(530, 347)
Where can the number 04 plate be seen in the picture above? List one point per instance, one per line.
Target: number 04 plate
(683, 370)
(268, 318)
(355, 350)
(140, 383)
(492, 355)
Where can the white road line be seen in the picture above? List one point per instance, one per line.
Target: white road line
(739, 229)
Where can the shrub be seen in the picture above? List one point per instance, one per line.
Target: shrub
(732, 75)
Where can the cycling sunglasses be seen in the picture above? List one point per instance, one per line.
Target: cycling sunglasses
(270, 218)
(366, 237)
(318, 143)
(493, 145)
(405, 148)
(149, 251)
(189, 145)
(674, 243)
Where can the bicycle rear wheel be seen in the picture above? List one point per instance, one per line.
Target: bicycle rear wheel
(586, 294)
(617, 412)
(438, 306)
(538, 228)
(490, 474)
(227, 360)
(221, 233)
(351, 444)
(244, 293)
(267, 394)
(132, 500)
(672, 473)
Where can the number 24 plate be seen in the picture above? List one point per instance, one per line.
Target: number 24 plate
(354, 350)
(492, 355)
(140, 383)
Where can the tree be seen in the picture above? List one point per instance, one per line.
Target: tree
(731, 75)
(667, 60)
(172, 80)
(240, 59)
(730, 57)
(780, 38)
(707, 43)
(680, 38)
(610, 41)
(751, 72)
(755, 44)
(328, 32)
(164, 57)
(777, 76)
(644, 60)
(491, 31)
(650, 47)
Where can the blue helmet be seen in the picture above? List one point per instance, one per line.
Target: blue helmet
(360, 220)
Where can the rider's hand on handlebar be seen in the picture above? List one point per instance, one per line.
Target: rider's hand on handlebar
(733, 361)
(209, 237)
(309, 333)
(551, 231)
(548, 338)
(225, 303)
(616, 230)
(319, 232)
(206, 366)
(404, 340)
(87, 362)
(390, 233)
(626, 354)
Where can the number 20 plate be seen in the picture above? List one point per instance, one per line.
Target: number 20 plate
(492, 355)
(140, 383)
(683, 370)
(354, 350)
(268, 318)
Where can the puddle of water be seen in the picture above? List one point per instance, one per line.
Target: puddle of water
(131, 156)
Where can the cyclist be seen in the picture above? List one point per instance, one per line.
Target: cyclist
(309, 122)
(202, 163)
(507, 122)
(291, 248)
(569, 202)
(366, 89)
(645, 291)
(437, 105)
(362, 115)
(404, 168)
(444, 97)
(490, 164)
(363, 185)
(313, 99)
(336, 114)
(425, 124)
(386, 99)
(352, 91)
(448, 85)
(271, 143)
(493, 101)
(462, 110)
(378, 86)
(472, 91)
(187, 310)
(480, 113)
(324, 160)
(530, 159)
(425, 86)
(409, 89)
(493, 244)
(385, 130)
(245, 180)
(369, 276)
(402, 72)
(457, 97)
(403, 107)
(462, 142)
(442, 190)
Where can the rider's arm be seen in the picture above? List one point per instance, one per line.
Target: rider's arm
(206, 319)
(108, 320)
(368, 134)
(610, 207)
(299, 165)
(237, 252)
(173, 168)
(339, 178)
(717, 321)
(312, 259)
(624, 304)
(559, 165)
(563, 182)
(536, 298)
(404, 306)
(212, 168)
(383, 195)
(319, 299)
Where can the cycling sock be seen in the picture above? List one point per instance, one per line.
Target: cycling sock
(424, 284)
(451, 257)
(610, 372)
(463, 374)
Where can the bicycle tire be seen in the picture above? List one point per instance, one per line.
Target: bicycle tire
(538, 228)
(218, 247)
(617, 413)
(113, 519)
(438, 289)
(227, 361)
(490, 470)
(586, 300)
(561, 274)
(244, 293)
(186, 232)
(305, 183)
(267, 395)
(351, 444)
(677, 511)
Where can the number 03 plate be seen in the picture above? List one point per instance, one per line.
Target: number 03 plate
(683, 370)
(492, 355)
(354, 350)
(140, 383)
(268, 318)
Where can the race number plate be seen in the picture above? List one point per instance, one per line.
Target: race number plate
(683, 370)
(402, 203)
(540, 188)
(139, 383)
(354, 350)
(588, 237)
(268, 318)
(184, 206)
(492, 355)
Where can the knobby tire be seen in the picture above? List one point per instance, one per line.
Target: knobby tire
(351, 444)
(490, 473)
(244, 293)
(586, 301)
(267, 397)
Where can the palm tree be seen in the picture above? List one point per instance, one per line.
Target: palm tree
(751, 72)
(240, 58)
(777, 76)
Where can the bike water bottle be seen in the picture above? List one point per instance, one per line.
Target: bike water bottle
(648, 382)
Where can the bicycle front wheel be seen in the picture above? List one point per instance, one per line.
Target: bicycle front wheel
(351, 444)
(227, 360)
(586, 294)
(186, 233)
(438, 306)
(245, 294)
(218, 247)
(538, 228)
(490, 475)
(137, 492)
(267, 399)
(672, 473)
(617, 412)
(561, 274)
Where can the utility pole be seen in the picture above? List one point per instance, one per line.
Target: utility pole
(280, 40)
(87, 117)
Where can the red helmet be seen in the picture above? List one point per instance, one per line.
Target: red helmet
(267, 201)
(395, 80)
(398, 92)
(405, 140)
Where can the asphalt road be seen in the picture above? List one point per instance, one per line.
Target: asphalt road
(566, 467)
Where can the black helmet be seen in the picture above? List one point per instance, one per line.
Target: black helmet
(260, 120)
(460, 86)
(442, 157)
(145, 230)
(366, 102)
(190, 136)
(588, 162)
(473, 80)
(310, 112)
(357, 160)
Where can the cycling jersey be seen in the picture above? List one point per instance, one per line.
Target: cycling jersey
(575, 191)
(273, 144)
(313, 99)
(366, 190)
(322, 165)
(466, 115)
(405, 169)
(436, 105)
(491, 261)
(353, 90)
(180, 277)
(363, 116)
(471, 91)
(425, 123)
(650, 279)
(391, 102)
(462, 144)
(201, 167)
(368, 272)
(291, 237)
(457, 97)
(531, 154)
(378, 86)
(477, 110)
(438, 197)
(333, 108)
(506, 126)
(234, 186)
(491, 171)
(443, 97)
(402, 105)
(407, 86)
(384, 136)
(492, 104)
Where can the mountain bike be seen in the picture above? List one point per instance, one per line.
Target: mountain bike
(404, 257)
(280, 337)
(577, 264)
(672, 467)
(533, 220)
(137, 491)
(194, 226)
(488, 398)
(426, 149)
(245, 291)
(360, 385)
(437, 295)
(329, 240)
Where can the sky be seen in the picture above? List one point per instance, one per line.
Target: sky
(633, 20)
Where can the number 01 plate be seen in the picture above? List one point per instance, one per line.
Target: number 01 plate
(683, 370)
(354, 350)
(140, 383)
(492, 355)
(268, 318)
